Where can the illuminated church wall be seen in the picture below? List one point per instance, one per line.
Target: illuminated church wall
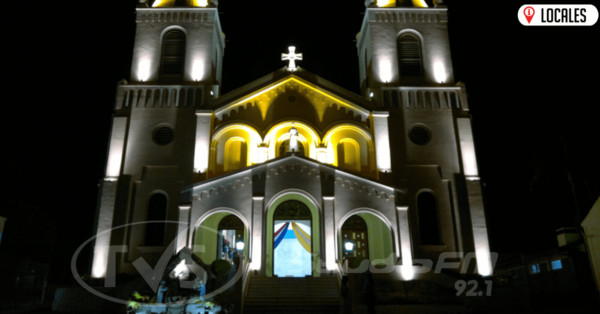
(204, 44)
(361, 156)
(386, 25)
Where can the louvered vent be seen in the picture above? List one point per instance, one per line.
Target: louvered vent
(163, 135)
(173, 54)
(409, 56)
(419, 135)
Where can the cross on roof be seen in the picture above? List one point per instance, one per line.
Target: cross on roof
(292, 56)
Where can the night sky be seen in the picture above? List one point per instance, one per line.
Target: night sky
(531, 93)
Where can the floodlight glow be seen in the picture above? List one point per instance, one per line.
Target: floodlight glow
(322, 155)
(117, 142)
(371, 95)
(385, 70)
(100, 261)
(144, 70)
(382, 141)
(419, 4)
(467, 147)
(201, 3)
(349, 246)
(439, 71)
(407, 272)
(159, 3)
(484, 261)
(262, 154)
(198, 70)
(386, 3)
(239, 246)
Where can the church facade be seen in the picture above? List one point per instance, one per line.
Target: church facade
(298, 174)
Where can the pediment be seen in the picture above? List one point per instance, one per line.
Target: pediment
(242, 178)
(298, 95)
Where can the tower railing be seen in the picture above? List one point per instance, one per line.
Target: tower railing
(423, 97)
(159, 96)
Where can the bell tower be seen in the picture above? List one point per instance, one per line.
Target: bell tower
(404, 43)
(406, 72)
(160, 134)
(178, 42)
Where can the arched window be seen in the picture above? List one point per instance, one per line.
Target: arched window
(409, 56)
(173, 54)
(348, 153)
(157, 211)
(236, 154)
(428, 219)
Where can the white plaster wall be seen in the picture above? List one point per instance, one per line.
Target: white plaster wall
(202, 37)
(293, 173)
(233, 191)
(441, 150)
(142, 151)
(354, 193)
(428, 179)
(435, 48)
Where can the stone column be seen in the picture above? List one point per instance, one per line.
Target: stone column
(103, 228)
(480, 235)
(183, 230)
(330, 232)
(255, 249)
(406, 268)
(382, 141)
(202, 149)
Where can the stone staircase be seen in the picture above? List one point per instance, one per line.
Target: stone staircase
(314, 295)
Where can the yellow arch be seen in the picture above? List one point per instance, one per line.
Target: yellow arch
(352, 157)
(347, 131)
(234, 160)
(221, 141)
(306, 134)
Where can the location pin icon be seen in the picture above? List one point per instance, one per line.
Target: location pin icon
(529, 12)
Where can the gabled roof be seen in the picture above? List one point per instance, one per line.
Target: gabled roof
(237, 97)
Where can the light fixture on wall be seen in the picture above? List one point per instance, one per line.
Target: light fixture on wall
(349, 246)
(240, 245)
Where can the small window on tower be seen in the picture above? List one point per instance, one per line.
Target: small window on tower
(163, 135)
(535, 269)
(173, 54)
(419, 135)
(409, 56)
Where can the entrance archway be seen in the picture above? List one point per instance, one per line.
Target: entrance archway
(315, 232)
(378, 239)
(205, 240)
(355, 231)
(229, 232)
(292, 248)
